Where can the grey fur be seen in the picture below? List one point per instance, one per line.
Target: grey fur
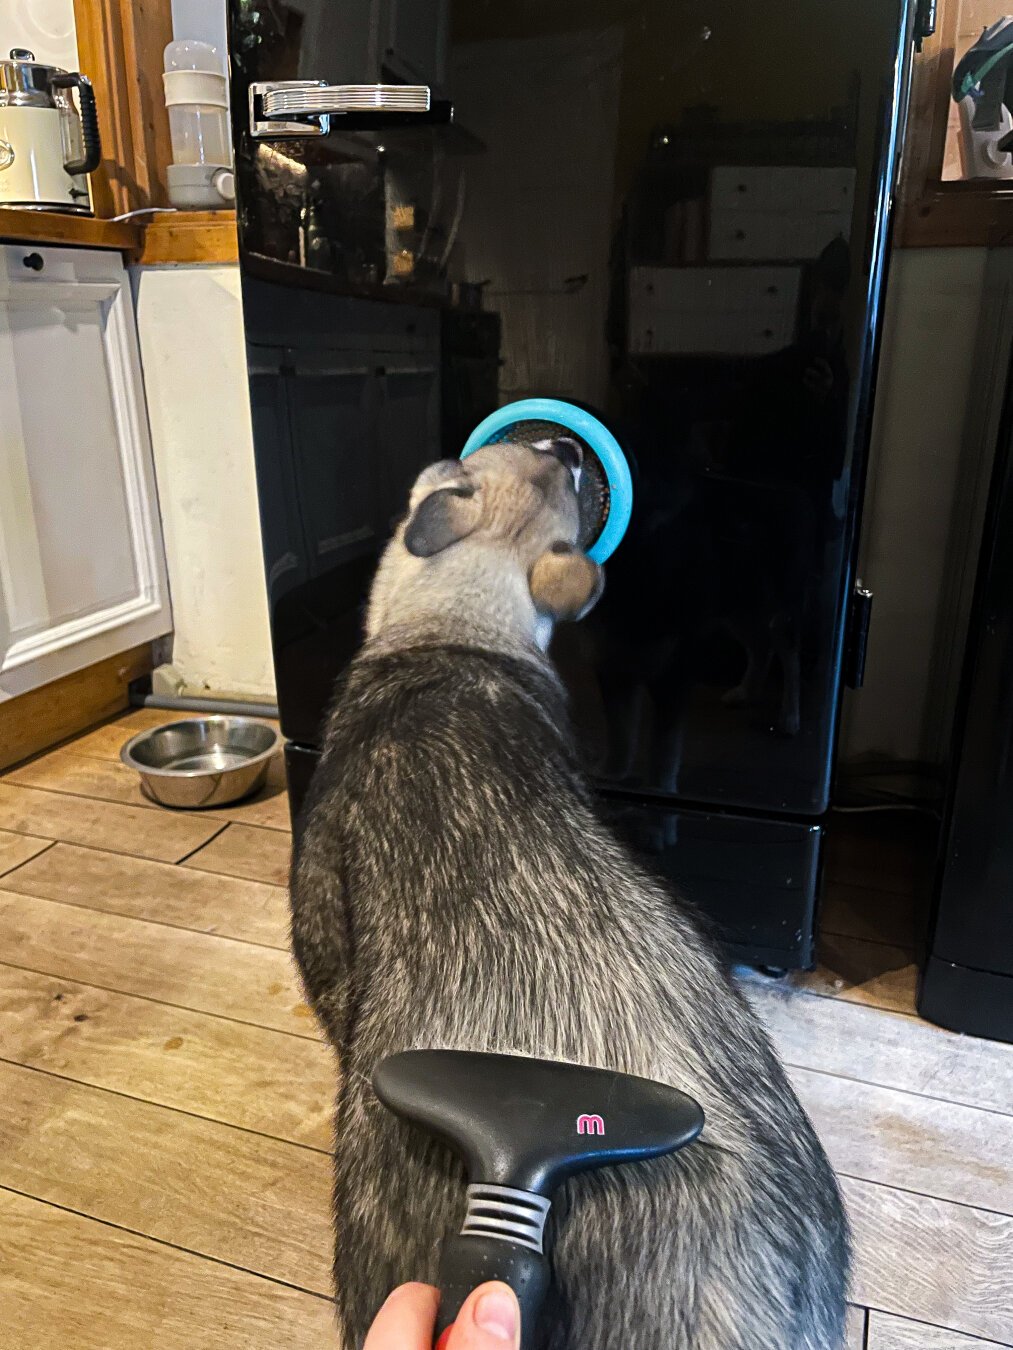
(454, 886)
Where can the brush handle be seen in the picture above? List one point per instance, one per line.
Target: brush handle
(468, 1262)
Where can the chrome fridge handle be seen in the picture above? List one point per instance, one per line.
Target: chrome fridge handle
(273, 105)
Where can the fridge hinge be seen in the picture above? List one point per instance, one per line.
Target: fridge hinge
(925, 21)
(856, 636)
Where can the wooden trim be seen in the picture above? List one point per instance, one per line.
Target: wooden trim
(932, 213)
(147, 29)
(100, 54)
(928, 110)
(34, 721)
(50, 227)
(120, 45)
(957, 215)
(192, 237)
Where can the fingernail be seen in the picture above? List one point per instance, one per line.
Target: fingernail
(496, 1313)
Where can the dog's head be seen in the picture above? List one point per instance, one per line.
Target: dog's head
(512, 507)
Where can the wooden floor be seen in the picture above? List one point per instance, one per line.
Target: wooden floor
(166, 1097)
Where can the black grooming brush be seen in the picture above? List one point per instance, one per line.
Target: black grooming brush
(523, 1126)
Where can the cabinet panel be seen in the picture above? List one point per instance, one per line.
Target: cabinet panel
(335, 467)
(782, 189)
(82, 571)
(762, 236)
(407, 432)
(281, 529)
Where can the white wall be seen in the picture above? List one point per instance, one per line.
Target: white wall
(191, 333)
(45, 27)
(933, 338)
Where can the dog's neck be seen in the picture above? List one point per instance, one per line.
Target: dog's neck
(468, 596)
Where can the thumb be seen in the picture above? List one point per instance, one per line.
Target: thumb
(489, 1320)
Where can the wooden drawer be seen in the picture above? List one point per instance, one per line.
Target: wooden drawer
(737, 311)
(797, 188)
(761, 236)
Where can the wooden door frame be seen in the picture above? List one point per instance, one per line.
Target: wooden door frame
(120, 45)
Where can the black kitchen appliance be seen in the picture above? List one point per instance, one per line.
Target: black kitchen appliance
(673, 215)
(967, 977)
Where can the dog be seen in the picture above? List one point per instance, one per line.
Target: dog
(453, 886)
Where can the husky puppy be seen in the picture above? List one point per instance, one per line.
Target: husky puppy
(453, 886)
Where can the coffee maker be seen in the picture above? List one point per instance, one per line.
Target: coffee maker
(47, 146)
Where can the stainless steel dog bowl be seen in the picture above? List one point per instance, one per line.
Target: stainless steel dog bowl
(205, 761)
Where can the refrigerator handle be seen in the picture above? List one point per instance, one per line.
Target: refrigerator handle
(275, 103)
(856, 637)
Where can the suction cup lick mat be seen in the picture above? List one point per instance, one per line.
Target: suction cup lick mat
(496, 427)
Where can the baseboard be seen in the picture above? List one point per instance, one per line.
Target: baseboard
(35, 721)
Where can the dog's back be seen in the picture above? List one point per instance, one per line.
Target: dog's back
(454, 887)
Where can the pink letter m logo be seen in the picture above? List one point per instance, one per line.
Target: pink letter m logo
(590, 1125)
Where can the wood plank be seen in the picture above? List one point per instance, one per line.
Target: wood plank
(120, 45)
(890, 1049)
(919, 1144)
(189, 970)
(880, 851)
(949, 1265)
(50, 227)
(16, 849)
(851, 970)
(159, 892)
(875, 916)
(957, 215)
(192, 237)
(897, 1333)
(147, 29)
(100, 52)
(241, 1075)
(69, 1281)
(243, 851)
(855, 1331)
(872, 973)
(34, 721)
(66, 770)
(260, 1203)
(164, 836)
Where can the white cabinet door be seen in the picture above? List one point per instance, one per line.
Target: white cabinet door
(82, 568)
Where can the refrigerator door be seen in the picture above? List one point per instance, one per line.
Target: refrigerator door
(674, 214)
(967, 983)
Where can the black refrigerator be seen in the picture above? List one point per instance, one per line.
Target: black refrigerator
(672, 214)
(967, 976)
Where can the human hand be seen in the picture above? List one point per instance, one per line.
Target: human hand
(489, 1320)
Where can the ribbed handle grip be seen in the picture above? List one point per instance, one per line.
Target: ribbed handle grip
(468, 1262)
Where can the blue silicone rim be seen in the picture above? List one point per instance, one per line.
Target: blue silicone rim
(592, 433)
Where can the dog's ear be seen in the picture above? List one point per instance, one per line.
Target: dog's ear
(441, 473)
(445, 517)
(565, 583)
